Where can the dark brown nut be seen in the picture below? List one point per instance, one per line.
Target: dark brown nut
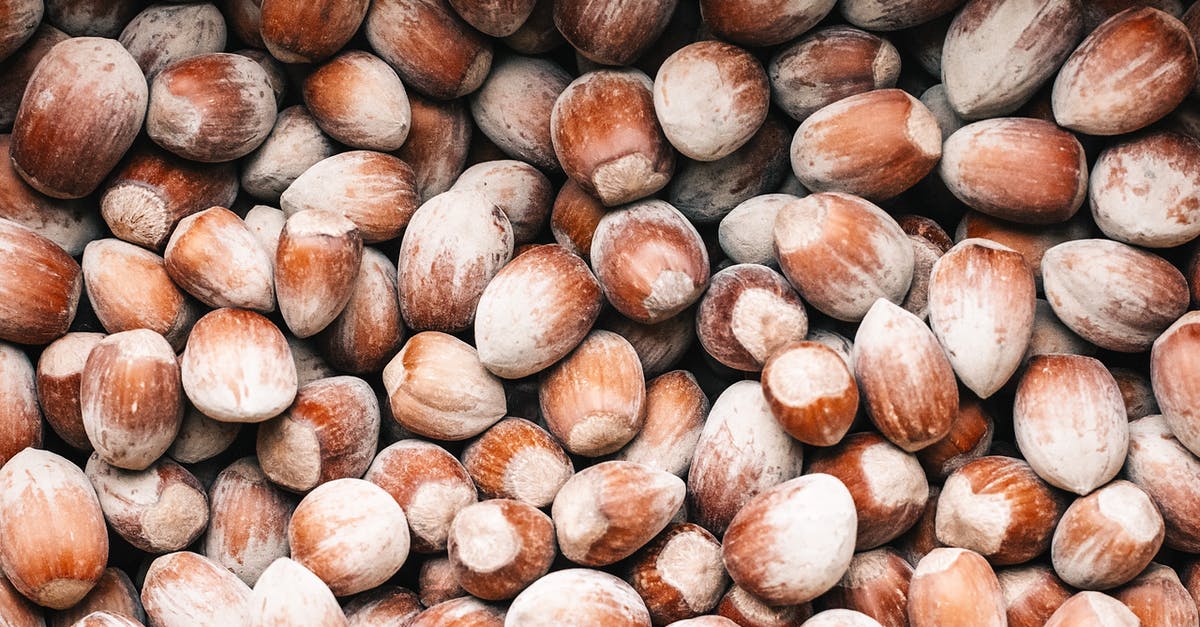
(1093, 608)
(842, 253)
(334, 521)
(328, 433)
(679, 574)
(594, 400)
(454, 245)
(385, 605)
(742, 451)
(55, 542)
(970, 438)
(181, 586)
(574, 219)
(153, 190)
(211, 107)
(748, 313)
(1173, 375)
(676, 409)
(516, 459)
(1031, 594)
(114, 594)
(129, 288)
(429, 484)
(803, 80)
(560, 299)
(743, 608)
(1142, 190)
(309, 32)
(1000, 508)
(684, 92)
(955, 587)
(811, 392)
(438, 388)
(438, 582)
(1113, 295)
(538, 33)
(612, 32)
(20, 20)
(1070, 422)
(201, 438)
(165, 33)
(607, 512)
(358, 100)
(754, 550)
(248, 520)
(216, 258)
(578, 594)
(904, 377)
(980, 159)
(237, 367)
(661, 345)
(996, 56)
(318, 258)
(287, 593)
(69, 223)
(522, 192)
(747, 233)
(20, 416)
(369, 331)
(875, 145)
(83, 108)
(888, 485)
(160, 509)
(497, 18)
(91, 18)
(607, 138)
(432, 49)
(437, 143)
(1165, 470)
(513, 107)
(500, 546)
(1106, 538)
(875, 584)
(762, 23)
(1032, 241)
(295, 144)
(131, 398)
(705, 191)
(650, 261)
(59, 369)
(1158, 598)
(19, 66)
(461, 612)
(375, 191)
(1130, 72)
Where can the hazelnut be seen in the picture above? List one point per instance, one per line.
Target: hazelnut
(1172, 374)
(676, 409)
(1093, 608)
(215, 256)
(162, 34)
(1132, 206)
(748, 313)
(1032, 241)
(1031, 594)
(744, 608)
(436, 148)
(497, 18)
(970, 438)
(1165, 470)
(369, 331)
(461, 611)
(516, 459)
(612, 32)
(114, 595)
(429, 484)
(875, 584)
(811, 392)
(500, 546)
(432, 49)
(316, 263)
(39, 292)
(747, 233)
(803, 81)
(872, 16)
(385, 605)
(375, 191)
(307, 33)
(514, 104)
(518, 189)
(181, 586)
(91, 18)
(537, 34)
(59, 369)
(1107, 537)
(762, 22)
(248, 520)
(1158, 598)
(679, 574)
(578, 595)
(70, 223)
(295, 144)
(358, 100)
(438, 582)
(20, 416)
(287, 593)
(158, 510)
(574, 219)
(954, 587)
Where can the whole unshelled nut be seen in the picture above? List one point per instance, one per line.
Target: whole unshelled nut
(163, 34)
(181, 586)
(70, 223)
(308, 33)
(803, 81)
(610, 31)
(429, 484)
(1134, 207)
(514, 104)
(248, 520)
(114, 594)
(1107, 537)
(1093, 608)
(875, 584)
(1164, 469)
(295, 144)
(432, 49)
(287, 593)
(955, 587)
(358, 100)
(159, 509)
(748, 313)
(1031, 594)
(676, 409)
(1173, 375)
(39, 293)
(59, 369)
(375, 191)
(577, 594)
(762, 23)
(437, 144)
(500, 546)
(316, 263)
(215, 257)
(516, 459)
(1158, 597)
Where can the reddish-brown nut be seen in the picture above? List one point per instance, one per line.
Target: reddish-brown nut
(1158, 598)
(516, 459)
(59, 369)
(114, 594)
(328, 433)
(369, 331)
(309, 32)
(358, 100)
(576, 594)
(1093, 608)
(842, 253)
(131, 398)
(537, 34)
(20, 416)
(875, 584)
(500, 546)
(980, 159)
(594, 400)
(211, 107)
(375, 191)
(438, 582)
(513, 107)
(1097, 11)
(1173, 375)
(1106, 538)
(888, 485)
(216, 258)
(811, 392)
(904, 377)
(875, 145)
(461, 612)
(276, 76)
(762, 23)
(1031, 594)
(1143, 190)
(453, 246)
(158, 510)
(84, 105)
(612, 32)
(607, 512)
(248, 520)
(129, 288)
(574, 219)
(432, 49)
(1070, 422)
(181, 586)
(70, 223)
(1136, 392)
(535, 310)
(237, 367)
(970, 438)
(899, 15)
(1032, 241)
(996, 55)
(522, 192)
(679, 574)
(153, 190)
(748, 313)
(428, 483)
(803, 80)
(162, 34)
(295, 144)
(1165, 470)
(20, 21)
(743, 608)
(998, 507)
(1111, 294)
(288, 593)
(385, 605)
(607, 138)
(437, 143)
(19, 66)
(316, 263)
(55, 542)
(40, 290)
(650, 261)
(955, 587)
(1129, 72)
(332, 524)
(497, 18)
(925, 254)
(676, 409)
(771, 547)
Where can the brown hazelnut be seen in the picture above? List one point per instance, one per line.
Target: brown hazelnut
(955, 587)
(500, 546)
(295, 144)
(318, 258)
(578, 595)
(516, 459)
(309, 32)
(748, 314)
(215, 256)
(429, 484)
(803, 80)
(248, 520)
(162, 34)
(437, 143)
(1107, 537)
(358, 100)
(158, 510)
(1136, 207)
(181, 586)
(513, 107)
(432, 49)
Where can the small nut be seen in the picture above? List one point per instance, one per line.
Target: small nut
(1107, 537)
(578, 594)
(1093, 608)
(803, 81)
(1031, 594)
(248, 520)
(500, 546)
(318, 258)
(429, 484)
(432, 49)
(307, 33)
(357, 99)
(516, 459)
(287, 593)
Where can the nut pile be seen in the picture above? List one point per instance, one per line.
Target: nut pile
(599, 312)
